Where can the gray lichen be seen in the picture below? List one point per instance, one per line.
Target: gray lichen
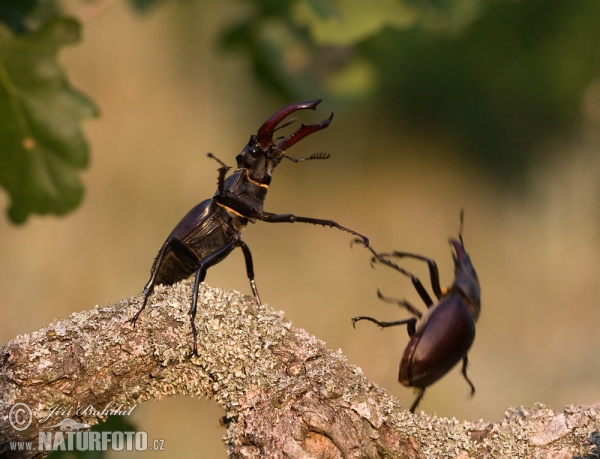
(283, 392)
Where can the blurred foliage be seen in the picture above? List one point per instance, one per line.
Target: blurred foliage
(513, 78)
(42, 147)
(14, 13)
(495, 77)
(112, 424)
(144, 5)
(306, 48)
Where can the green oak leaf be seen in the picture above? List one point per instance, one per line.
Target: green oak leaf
(42, 148)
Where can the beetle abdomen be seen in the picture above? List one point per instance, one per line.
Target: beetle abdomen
(438, 344)
(209, 234)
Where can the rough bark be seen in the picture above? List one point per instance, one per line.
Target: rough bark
(283, 393)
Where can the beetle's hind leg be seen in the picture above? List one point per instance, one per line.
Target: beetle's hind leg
(146, 293)
(170, 244)
(182, 252)
(413, 407)
(464, 373)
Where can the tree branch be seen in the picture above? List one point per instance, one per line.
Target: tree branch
(284, 394)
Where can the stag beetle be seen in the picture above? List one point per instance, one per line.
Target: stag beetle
(212, 229)
(446, 331)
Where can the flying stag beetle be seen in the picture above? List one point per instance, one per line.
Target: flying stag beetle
(446, 331)
(213, 228)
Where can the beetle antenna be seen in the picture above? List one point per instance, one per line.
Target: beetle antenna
(210, 155)
(320, 155)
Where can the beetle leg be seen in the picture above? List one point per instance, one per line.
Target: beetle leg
(146, 292)
(148, 289)
(405, 304)
(200, 276)
(410, 323)
(433, 270)
(291, 218)
(413, 407)
(181, 251)
(222, 172)
(249, 268)
(381, 257)
(205, 263)
(464, 373)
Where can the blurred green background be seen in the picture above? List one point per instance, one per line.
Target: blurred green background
(489, 106)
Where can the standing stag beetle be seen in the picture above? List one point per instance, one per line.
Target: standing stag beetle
(446, 331)
(212, 229)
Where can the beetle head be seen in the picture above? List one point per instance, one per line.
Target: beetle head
(466, 281)
(262, 155)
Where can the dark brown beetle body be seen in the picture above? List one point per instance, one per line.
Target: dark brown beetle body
(446, 331)
(212, 222)
(213, 228)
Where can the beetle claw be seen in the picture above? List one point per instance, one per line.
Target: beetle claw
(360, 240)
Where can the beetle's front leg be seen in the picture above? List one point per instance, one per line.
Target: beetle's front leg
(431, 264)
(405, 304)
(410, 323)
(382, 258)
(291, 218)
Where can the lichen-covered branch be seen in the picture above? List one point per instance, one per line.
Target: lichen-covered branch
(283, 393)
